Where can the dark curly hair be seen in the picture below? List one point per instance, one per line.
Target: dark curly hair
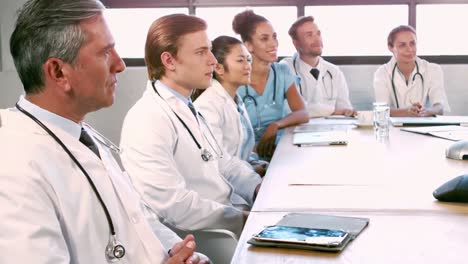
(245, 23)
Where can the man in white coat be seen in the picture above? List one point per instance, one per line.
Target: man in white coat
(168, 147)
(322, 84)
(63, 196)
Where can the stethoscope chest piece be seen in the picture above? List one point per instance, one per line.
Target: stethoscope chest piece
(206, 155)
(114, 250)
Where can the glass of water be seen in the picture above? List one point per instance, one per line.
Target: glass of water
(381, 120)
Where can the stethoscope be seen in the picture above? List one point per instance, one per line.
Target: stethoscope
(332, 89)
(247, 97)
(114, 250)
(206, 155)
(414, 77)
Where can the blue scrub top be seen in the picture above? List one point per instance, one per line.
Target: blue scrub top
(265, 112)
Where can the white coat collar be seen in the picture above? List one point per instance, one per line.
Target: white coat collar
(46, 116)
(176, 105)
(300, 64)
(221, 91)
(422, 64)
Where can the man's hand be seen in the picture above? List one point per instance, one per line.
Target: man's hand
(184, 253)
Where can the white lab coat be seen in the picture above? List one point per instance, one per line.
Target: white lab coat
(49, 212)
(430, 93)
(220, 110)
(167, 169)
(324, 95)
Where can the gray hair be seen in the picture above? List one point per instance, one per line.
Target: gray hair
(48, 29)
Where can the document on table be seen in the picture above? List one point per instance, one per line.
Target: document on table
(454, 133)
(321, 128)
(430, 121)
(322, 138)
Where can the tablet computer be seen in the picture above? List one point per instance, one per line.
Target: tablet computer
(303, 235)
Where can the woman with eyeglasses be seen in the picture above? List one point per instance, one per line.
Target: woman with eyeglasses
(272, 84)
(410, 85)
(223, 108)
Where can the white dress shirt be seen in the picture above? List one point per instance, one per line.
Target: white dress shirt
(326, 93)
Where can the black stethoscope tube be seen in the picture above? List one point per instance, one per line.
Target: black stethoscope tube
(247, 95)
(205, 154)
(323, 79)
(414, 77)
(106, 212)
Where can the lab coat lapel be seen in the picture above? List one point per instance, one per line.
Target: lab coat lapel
(90, 162)
(132, 202)
(183, 111)
(229, 102)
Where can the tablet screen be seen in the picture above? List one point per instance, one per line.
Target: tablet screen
(315, 236)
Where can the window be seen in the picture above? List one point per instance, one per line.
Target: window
(129, 26)
(357, 30)
(219, 21)
(354, 32)
(440, 29)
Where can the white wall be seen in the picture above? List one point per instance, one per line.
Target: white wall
(10, 86)
(132, 82)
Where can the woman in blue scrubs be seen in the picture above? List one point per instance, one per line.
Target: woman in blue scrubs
(272, 84)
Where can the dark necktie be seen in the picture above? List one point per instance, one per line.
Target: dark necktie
(192, 108)
(86, 139)
(315, 72)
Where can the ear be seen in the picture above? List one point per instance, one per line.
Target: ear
(168, 61)
(57, 72)
(295, 44)
(390, 48)
(249, 46)
(219, 69)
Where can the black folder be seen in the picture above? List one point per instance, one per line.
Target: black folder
(352, 225)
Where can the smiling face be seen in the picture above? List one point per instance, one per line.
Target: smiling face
(309, 40)
(404, 47)
(236, 69)
(194, 63)
(93, 77)
(264, 43)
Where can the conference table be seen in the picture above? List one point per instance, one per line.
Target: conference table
(389, 182)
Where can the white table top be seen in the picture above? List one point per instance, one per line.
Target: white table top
(391, 183)
(389, 238)
(365, 175)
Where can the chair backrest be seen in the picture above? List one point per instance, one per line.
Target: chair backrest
(217, 244)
